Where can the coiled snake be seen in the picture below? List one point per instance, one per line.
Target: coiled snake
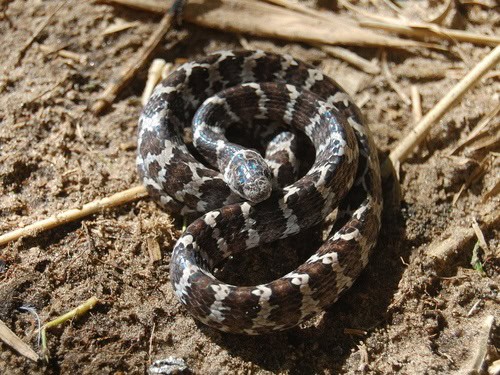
(241, 87)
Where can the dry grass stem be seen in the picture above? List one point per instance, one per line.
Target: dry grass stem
(355, 332)
(271, 21)
(338, 52)
(140, 59)
(481, 352)
(479, 235)
(154, 76)
(423, 30)
(12, 340)
(299, 8)
(419, 132)
(388, 76)
(75, 214)
(120, 26)
(364, 98)
(392, 5)
(152, 6)
(37, 32)
(440, 252)
(351, 58)
(476, 174)
(60, 51)
(75, 313)
(440, 17)
(418, 29)
(481, 130)
(364, 360)
(494, 191)
(416, 104)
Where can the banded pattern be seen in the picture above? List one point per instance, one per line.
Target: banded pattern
(236, 87)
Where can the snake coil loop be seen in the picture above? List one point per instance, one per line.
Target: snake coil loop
(231, 87)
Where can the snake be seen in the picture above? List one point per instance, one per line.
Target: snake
(191, 166)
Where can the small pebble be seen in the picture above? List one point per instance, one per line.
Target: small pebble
(168, 366)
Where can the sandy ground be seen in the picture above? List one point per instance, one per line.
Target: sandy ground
(406, 314)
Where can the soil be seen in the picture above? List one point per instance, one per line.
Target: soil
(404, 315)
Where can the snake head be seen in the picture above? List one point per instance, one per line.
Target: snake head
(248, 175)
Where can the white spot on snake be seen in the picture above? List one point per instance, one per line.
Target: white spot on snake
(264, 293)
(221, 291)
(292, 225)
(163, 158)
(293, 94)
(210, 218)
(219, 148)
(308, 304)
(245, 209)
(290, 190)
(181, 288)
(222, 244)
(223, 54)
(314, 76)
(328, 258)
(247, 69)
(217, 308)
(262, 100)
(286, 62)
(253, 236)
(217, 100)
(341, 97)
(186, 240)
(253, 239)
(201, 206)
(354, 235)
(298, 279)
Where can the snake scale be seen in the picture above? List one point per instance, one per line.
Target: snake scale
(234, 192)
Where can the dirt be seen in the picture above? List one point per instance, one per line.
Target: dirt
(404, 315)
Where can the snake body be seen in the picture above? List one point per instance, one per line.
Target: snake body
(228, 186)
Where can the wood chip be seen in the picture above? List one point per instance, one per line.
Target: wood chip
(119, 26)
(416, 104)
(154, 250)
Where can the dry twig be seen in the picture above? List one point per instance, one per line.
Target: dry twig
(418, 133)
(419, 29)
(416, 104)
(155, 74)
(481, 130)
(422, 30)
(75, 214)
(351, 58)
(440, 252)
(119, 26)
(270, 21)
(395, 86)
(62, 52)
(475, 175)
(37, 32)
(140, 59)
